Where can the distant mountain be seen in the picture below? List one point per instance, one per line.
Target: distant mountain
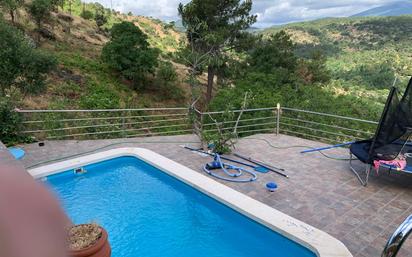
(254, 29)
(392, 9)
(179, 26)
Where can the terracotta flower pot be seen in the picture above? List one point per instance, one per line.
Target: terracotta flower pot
(100, 249)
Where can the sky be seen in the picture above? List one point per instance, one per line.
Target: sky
(269, 12)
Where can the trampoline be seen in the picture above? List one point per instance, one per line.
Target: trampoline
(391, 139)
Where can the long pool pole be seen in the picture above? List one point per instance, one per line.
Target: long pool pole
(327, 147)
(261, 165)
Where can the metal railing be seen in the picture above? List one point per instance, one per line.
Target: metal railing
(246, 122)
(329, 128)
(121, 123)
(106, 123)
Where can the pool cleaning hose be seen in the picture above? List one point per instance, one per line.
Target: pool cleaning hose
(336, 158)
(231, 176)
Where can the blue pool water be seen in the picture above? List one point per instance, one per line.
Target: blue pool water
(149, 213)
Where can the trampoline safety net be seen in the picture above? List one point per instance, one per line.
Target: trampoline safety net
(395, 126)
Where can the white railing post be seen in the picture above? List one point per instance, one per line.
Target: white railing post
(201, 124)
(277, 118)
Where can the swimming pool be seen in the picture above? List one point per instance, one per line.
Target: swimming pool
(170, 210)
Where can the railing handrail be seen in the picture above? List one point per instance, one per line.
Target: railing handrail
(156, 120)
(103, 110)
(196, 110)
(245, 110)
(330, 115)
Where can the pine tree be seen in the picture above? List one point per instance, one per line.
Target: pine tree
(215, 27)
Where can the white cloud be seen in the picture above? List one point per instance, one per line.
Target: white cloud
(270, 12)
(161, 9)
(284, 11)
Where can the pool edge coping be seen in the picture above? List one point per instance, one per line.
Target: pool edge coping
(318, 241)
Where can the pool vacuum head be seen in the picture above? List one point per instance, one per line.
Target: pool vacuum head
(213, 165)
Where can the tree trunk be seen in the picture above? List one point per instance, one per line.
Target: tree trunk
(38, 32)
(210, 79)
(12, 16)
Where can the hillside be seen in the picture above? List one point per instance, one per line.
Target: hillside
(391, 9)
(81, 79)
(364, 54)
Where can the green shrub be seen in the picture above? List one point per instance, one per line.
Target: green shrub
(100, 15)
(100, 19)
(219, 136)
(10, 122)
(100, 97)
(40, 10)
(273, 54)
(87, 15)
(166, 81)
(312, 70)
(167, 73)
(129, 53)
(22, 66)
(11, 6)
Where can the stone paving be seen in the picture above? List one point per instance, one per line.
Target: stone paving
(320, 191)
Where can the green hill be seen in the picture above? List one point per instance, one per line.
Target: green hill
(364, 53)
(81, 79)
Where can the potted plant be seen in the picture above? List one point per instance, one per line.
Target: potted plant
(88, 240)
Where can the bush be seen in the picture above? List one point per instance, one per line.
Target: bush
(100, 16)
(23, 66)
(100, 19)
(129, 53)
(40, 10)
(10, 122)
(87, 15)
(273, 54)
(167, 73)
(312, 70)
(100, 97)
(377, 75)
(221, 138)
(166, 81)
(11, 6)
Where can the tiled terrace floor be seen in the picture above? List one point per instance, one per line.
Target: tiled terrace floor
(321, 192)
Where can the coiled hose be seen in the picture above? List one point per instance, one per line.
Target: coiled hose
(232, 176)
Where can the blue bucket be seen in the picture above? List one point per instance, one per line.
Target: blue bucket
(17, 153)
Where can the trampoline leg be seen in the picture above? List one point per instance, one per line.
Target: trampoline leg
(368, 170)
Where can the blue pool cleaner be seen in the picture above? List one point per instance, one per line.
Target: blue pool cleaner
(256, 168)
(231, 176)
(17, 153)
(272, 186)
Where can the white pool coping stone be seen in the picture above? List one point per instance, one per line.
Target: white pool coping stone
(319, 242)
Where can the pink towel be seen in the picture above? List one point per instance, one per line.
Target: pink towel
(399, 163)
